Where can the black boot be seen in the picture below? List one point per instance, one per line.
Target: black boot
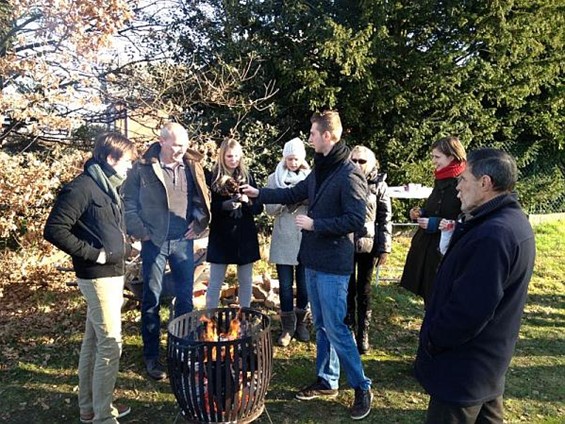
(363, 333)
(350, 320)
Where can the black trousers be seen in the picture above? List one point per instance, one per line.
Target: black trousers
(359, 291)
(490, 412)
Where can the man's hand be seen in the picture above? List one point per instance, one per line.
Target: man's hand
(382, 258)
(249, 191)
(304, 222)
(191, 234)
(415, 213)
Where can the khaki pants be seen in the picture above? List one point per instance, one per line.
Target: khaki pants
(101, 347)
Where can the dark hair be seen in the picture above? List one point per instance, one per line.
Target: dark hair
(451, 146)
(497, 164)
(328, 120)
(113, 144)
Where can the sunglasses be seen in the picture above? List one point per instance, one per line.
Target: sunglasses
(361, 161)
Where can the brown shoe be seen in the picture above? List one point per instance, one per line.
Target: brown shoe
(123, 410)
(319, 389)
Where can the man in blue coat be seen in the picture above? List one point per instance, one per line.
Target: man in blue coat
(337, 195)
(471, 326)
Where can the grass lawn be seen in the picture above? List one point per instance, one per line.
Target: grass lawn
(41, 328)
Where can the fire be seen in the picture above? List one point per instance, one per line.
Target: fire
(211, 333)
(233, 332)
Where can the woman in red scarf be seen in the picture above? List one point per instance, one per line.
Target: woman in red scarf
(448, 158)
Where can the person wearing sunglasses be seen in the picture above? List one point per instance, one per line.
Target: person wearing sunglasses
(372, 246)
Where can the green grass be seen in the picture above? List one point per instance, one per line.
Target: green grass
(41, 329)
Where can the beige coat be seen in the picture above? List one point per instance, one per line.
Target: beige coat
(286, 237)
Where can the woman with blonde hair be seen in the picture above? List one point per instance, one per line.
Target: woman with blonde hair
(233, 233)
(372, 246)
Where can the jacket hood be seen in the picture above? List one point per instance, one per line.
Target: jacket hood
(152, 155)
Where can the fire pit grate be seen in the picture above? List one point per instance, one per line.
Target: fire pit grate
(220, 364)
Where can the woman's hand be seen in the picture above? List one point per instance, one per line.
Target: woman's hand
(423, 222)
(415, 213)
(446, 225)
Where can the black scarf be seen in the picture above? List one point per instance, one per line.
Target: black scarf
(325, 165)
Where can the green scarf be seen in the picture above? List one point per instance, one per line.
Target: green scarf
(106, 178)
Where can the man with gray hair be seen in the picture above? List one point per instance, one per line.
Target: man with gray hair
(167, 206)
(471, 326)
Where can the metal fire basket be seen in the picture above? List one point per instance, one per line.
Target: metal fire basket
(220, 364)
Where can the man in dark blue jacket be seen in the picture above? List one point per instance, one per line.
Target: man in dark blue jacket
(471, 326)
(336, 192)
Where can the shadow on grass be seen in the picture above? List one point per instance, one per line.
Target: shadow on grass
(38, 396)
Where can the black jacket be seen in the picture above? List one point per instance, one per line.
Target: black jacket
(424, 256)
(84, 220)
(473, 319)
(233, 240)
(338, 209)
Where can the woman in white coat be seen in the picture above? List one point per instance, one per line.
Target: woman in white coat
(285, 243)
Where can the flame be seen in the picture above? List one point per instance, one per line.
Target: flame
(233, 332)
(209, 334)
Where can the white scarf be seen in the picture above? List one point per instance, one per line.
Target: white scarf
(285, 178)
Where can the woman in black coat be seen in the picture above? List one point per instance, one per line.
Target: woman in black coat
(448, 158)
(233, 234)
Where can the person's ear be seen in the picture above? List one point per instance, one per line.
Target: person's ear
(486, 182)
(111, 161)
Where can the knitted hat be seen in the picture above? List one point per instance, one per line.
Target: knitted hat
(294, 147)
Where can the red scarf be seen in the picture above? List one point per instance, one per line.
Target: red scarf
(454, 169)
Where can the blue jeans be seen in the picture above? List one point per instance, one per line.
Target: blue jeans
(180, 255)
(287, 275)
(334, 342)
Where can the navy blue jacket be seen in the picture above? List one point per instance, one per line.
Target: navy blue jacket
(338, 209)
(471, 325)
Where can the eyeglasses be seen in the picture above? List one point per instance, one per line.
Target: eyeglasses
(360, 161)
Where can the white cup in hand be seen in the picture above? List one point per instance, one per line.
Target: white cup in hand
(423, 222)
